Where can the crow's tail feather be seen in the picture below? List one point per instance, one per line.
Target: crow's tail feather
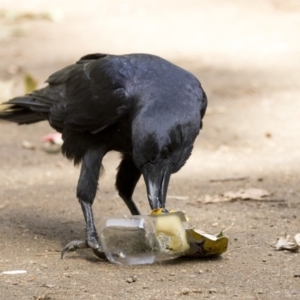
(25, 110)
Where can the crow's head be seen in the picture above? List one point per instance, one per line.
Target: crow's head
(161, 146)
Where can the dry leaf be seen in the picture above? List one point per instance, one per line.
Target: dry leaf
(284, 243)
(248, 194)
(30, 83)
(213, 199)
(184, 198)
(297, 239)
(252, 193)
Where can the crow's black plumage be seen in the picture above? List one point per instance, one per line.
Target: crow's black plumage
(140, 105)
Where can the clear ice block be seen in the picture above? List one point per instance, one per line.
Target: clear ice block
(144, 239)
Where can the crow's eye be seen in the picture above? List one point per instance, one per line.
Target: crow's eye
(165, 152)
(152, 159)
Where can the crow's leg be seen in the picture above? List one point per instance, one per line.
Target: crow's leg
(127, 178)
(86, 192)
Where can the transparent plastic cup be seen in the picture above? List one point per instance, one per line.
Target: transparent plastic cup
(144, 239)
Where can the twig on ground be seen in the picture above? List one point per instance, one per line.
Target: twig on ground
(226, 179)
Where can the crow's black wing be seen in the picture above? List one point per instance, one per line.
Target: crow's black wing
(87, 96)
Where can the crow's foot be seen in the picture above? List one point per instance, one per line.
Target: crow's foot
(79, 244)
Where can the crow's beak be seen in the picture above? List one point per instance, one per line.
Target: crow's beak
(157, 181)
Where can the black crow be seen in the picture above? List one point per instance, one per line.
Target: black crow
(140, 105)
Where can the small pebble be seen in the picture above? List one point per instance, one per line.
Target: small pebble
(50, 286)
(185, 291)
(200, 271)
(129, 280)
(293, 292)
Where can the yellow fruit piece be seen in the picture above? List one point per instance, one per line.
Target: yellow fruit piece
(171, 233)
(176, 237)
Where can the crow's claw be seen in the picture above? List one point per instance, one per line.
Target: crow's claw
(79, 244)
(73, 246)
(100, 254)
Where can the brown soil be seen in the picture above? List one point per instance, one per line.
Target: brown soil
(247, 58)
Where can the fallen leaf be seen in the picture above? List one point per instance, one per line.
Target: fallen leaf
(284, 243)
(30, 83)
(297, 239)
(242, 194)
(178, 197)
(252, 193)
(213, 199)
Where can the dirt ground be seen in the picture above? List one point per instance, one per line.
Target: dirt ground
(246, 54)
